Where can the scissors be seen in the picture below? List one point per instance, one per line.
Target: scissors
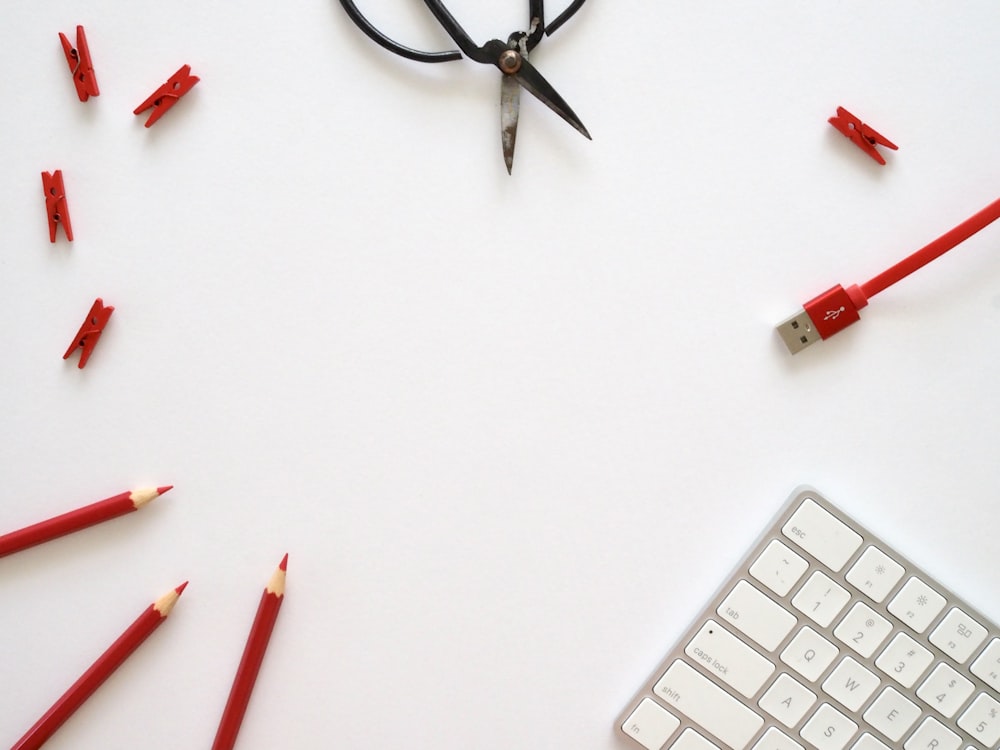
(510, 57)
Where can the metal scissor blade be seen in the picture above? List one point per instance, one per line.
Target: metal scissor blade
(510, 105)
(536, 85)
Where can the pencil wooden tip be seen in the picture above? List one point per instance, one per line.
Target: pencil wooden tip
(165, 603)
(276, 585)
(164, 488)
(141, 497)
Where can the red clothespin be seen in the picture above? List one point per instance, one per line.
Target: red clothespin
(167, 95)
(80, 65)
(863, 136)
(90, 331)
(55, 204)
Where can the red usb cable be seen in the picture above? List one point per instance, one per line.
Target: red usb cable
(836, 308)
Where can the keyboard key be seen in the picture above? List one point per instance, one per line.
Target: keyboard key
(892, 714)
(932, 734)
(708, 705)
(756, 616)
(826, 538)
(721, 653)
(691, 740)
(863, 629)
(809, 654)
(868, 742)
(917, 604)
(875, 574)
(850, 684)
(787, 701)
(904, 660)
(821, 599)
(775, 739)
(778, 568)
(828, 729)
(945, 690)
(958, 635)
(825, 640)
(650, 725)
(987, 666)
(982, 720)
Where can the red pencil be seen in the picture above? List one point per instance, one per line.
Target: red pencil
(253, 655)
(99, 671)
(80, 518)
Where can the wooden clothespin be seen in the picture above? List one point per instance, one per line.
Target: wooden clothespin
(168, 94)
(55, 204)
(863, 136)
(86, 338)
(80, 65)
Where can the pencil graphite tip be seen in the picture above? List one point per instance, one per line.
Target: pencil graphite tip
(180, 589)
(283, 565)
(164, 488)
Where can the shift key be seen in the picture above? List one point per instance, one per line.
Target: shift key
(708, 705)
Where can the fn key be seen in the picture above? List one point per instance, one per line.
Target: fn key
(650, 725)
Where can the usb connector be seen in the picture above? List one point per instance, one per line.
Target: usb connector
(821, 317)
(836, 308)
(798, 332)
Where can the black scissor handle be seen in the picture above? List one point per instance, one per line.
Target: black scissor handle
(383, 41)
(455, 31)
(564, 16)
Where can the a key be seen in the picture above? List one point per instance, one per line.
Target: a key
(787, 701)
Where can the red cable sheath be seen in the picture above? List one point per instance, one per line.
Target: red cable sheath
(935, 249)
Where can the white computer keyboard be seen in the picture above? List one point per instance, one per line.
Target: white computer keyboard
(825, 637)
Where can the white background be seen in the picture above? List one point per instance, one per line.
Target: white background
(512, 431)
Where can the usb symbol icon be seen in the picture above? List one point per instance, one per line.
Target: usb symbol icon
(833, 314)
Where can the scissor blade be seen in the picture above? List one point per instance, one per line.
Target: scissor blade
(536, 85)
(510, 105)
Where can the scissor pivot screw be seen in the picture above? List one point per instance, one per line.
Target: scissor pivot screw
(509, 62)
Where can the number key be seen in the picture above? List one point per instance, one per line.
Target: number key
(821, 599)
(904, 660)
(982, 720)
(945, 689)
(863, 629)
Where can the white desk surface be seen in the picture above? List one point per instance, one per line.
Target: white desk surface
(512, 431)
